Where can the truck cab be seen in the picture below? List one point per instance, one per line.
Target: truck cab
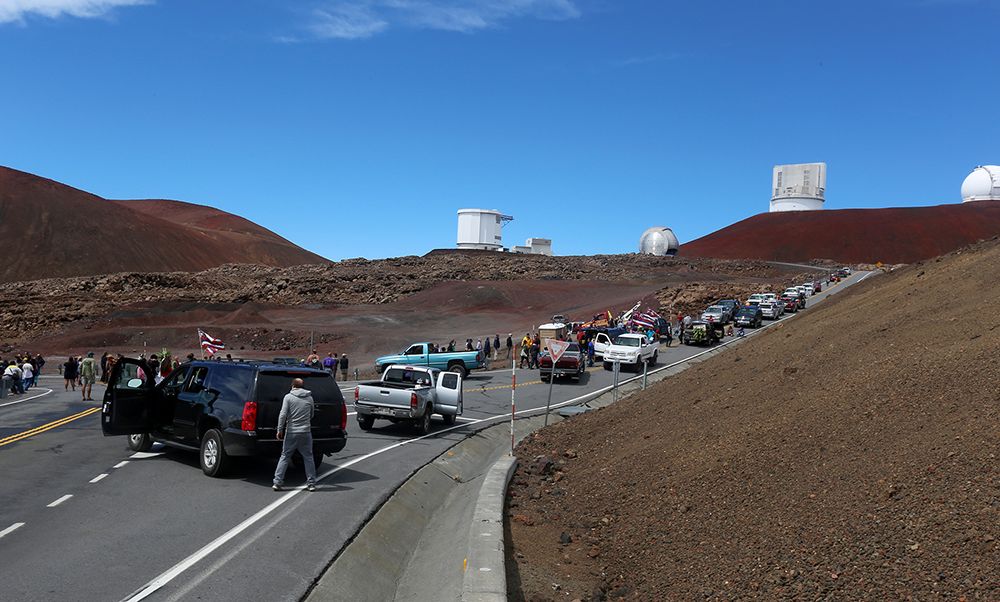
(426, 354)
(631, 350)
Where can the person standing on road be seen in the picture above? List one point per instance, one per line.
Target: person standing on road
(104, 367)
(590, 352)
(344, 364)
(496, 346)
(510, 343)
(70, 372)
(88, 376)
(329, 364)
(295, 432)
(27, 375)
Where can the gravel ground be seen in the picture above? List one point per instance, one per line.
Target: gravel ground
(848, 455)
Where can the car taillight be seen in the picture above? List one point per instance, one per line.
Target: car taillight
(343, 414)
(249, 422)
(356, 394)
(413, 401)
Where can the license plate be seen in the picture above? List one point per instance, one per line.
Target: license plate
(382, 411)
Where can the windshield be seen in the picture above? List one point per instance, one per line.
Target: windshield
(407, 376)
(627, 341)
(747, 312)
(273, 386)
(715, 309)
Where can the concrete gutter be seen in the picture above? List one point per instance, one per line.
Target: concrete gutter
(485, 571)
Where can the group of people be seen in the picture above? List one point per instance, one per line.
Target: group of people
(330, 363)
(21, 373)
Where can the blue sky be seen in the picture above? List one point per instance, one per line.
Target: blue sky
(358, 127)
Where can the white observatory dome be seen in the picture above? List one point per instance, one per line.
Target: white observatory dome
(983, 184)
(658, 241)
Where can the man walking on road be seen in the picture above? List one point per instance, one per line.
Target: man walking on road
(27, 375)
(344, 364)
(295, 432)
(510, 343)
(88, 376)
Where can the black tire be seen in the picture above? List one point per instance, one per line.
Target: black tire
(544, 378)
(459, 368)
(140, 442)
(366, 422)
(607, 366)
(449, 419)
(423, 424)
(654, 359)
(212, 456)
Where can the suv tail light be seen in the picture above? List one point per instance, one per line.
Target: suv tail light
(343, 414)
(249, 422)
(413, 401)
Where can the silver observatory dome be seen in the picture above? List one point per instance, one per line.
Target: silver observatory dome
(658, 241)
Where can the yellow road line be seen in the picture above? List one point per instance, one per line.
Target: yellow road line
(47, 427)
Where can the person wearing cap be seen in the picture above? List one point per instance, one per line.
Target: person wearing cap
(510, 343)
(88, 376)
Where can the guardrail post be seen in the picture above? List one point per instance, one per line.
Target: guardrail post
(645, 370)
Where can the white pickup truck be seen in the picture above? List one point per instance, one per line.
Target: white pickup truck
(631, 350)
(409, 394)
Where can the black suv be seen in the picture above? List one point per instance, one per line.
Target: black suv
(219, 409)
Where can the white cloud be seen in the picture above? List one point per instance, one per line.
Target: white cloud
(353, 19)
(17, 10)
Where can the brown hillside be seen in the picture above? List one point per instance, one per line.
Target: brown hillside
(895, 235)
(60, 231)
(852, 453)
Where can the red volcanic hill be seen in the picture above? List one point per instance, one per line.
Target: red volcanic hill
(896, 235)
(54, 230)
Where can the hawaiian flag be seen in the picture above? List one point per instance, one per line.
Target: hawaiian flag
(209, 344)
(644, 320)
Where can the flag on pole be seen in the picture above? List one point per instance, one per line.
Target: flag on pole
(210, 345)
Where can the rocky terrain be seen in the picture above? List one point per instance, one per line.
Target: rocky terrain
(851, 453)
(268, 308)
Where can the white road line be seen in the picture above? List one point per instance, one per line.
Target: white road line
(99, 477)
(11, 529)
(10, 403)
(144, 455)
(172, 573)
(120, 464)
(60, 500)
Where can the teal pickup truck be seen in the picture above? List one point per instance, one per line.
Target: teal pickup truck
(416, 355)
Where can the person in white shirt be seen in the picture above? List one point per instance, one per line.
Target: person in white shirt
(13, 374)
(27, 375)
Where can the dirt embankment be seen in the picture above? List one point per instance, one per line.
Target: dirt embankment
(849, 454)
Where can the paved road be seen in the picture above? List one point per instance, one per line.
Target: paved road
(83, 518)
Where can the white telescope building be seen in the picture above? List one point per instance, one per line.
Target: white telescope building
(481, 229)
(983, 184)
(798, 187)
(659, 240)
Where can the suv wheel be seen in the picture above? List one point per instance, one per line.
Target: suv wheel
(366, 422)
(213, 457)
(423, 424)
(140, 442)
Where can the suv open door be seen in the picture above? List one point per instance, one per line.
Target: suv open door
(129, 402)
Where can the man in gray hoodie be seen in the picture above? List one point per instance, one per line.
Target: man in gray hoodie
(297, 410)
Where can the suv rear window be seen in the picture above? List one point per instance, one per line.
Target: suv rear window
(273, 386)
